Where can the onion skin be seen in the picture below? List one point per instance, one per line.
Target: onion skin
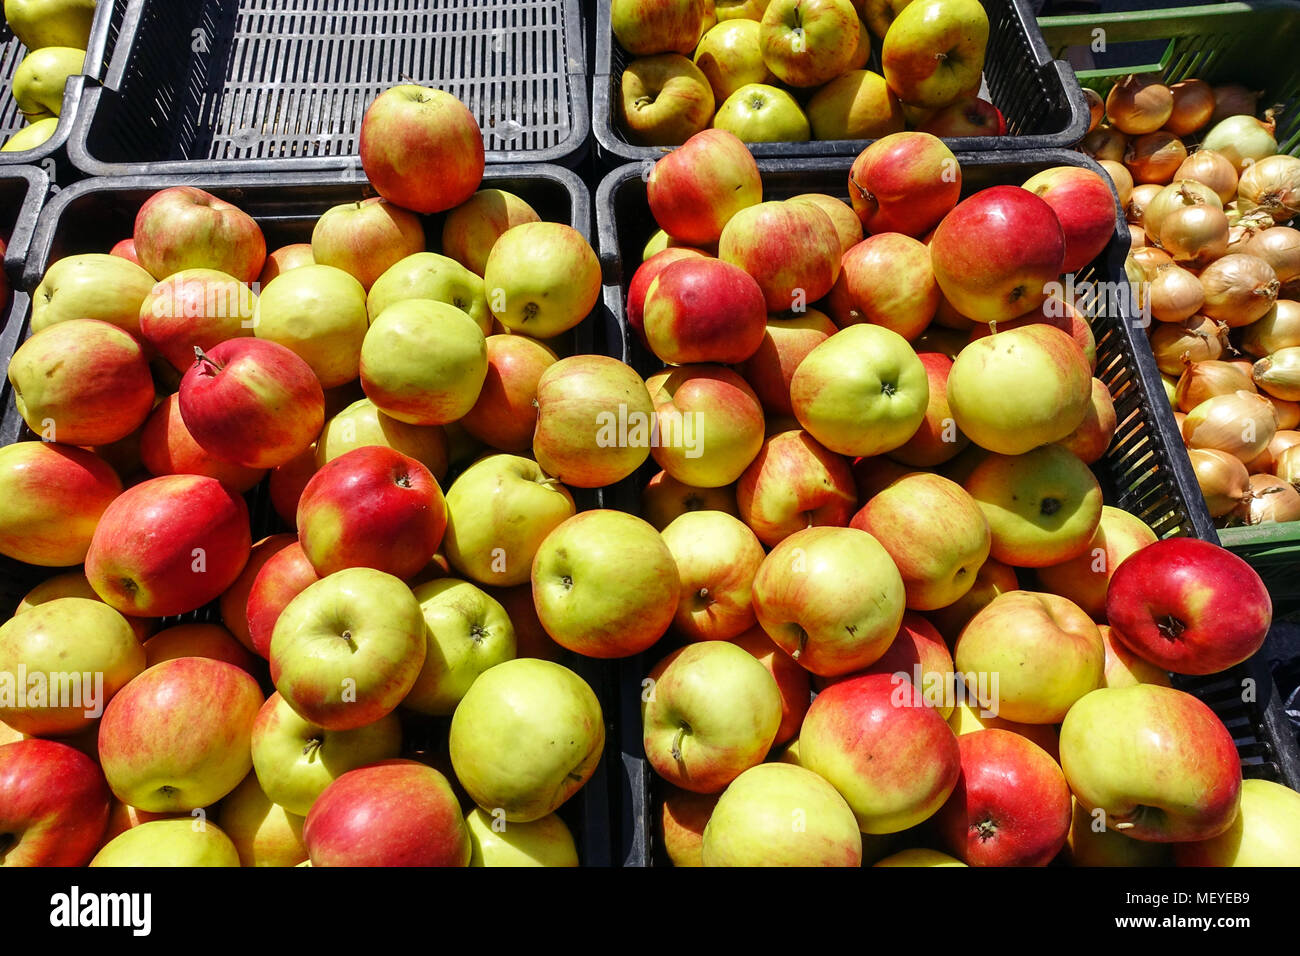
(1193, 107)
(1288, 413)
(1278, 329)
(1280, 248)
(1242, 140)
(1205, 380)
(1150, 259)
(1176, 195)
(1137, 236)
(1239, 289)
(1138, 105)
(1270, 500)
(1286, 463)
(1209, 168)
(1175, 294)
(1175, 343)
(1096, 108)
(1195, 235)
(1272, 185)
(1245, 229)
(1241, 424)
(1105, 142)
(1278, 374)
(1155, 157)
(1233, 99)
(1120, 178)
(1138, 200)
(1223, 479)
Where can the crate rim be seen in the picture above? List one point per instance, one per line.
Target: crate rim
(20, 240)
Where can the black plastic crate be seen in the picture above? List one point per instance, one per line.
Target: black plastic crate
(1040, 98)
(1145, 471)
(242, 86)
(103, 38)
(92, 215)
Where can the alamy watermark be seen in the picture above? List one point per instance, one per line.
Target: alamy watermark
(30, 690)
(630, 428)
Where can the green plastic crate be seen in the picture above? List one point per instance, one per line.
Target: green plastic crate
(1254, 44)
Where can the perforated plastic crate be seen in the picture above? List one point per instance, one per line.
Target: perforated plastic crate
(210, 86)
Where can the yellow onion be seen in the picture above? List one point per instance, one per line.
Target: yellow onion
(1193, 107)
(1137, 236)
(1155, 157)
(1195, 234)
(1286, 461)
(1243, 228)
(1105, 142)
(1198, 340)
(1244, 366)
(1177, 195)
(1280, 248)
(1204, 380)
(1096, 108)
(1261, 464)
(1224, 480)
(1242, 140)
(1279, 374)
(1288, 413)
(1150, 259)
(1233, 99)
(1239, 289)
(1120, 177)
(1174, 293)
(1211, 169)
(1271, 500)
(1179, 418)
(1272, 185)
(1278, 329)
(1139, 104)
(1241, 423)
(1138, 200)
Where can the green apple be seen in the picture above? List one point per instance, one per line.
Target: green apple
(1124, 668)
(730, 57)
(809, 42)
(879, 14)
(777, 814)
(665, 100)
(656, 26)
(178, 842)
(319, 313)
(934, 51)
(347, 649)
(733, 9)
(919, 856)
(40, 78)
(365, 238)
(499, 511)
(717, 557)
(526, 737)
(423, 362)
(362, 424)
(1265, 833)
(541, 278)
(471, 229)
(264, 833)
(295, 760)
(427, 275)
(498, 842)
(468, 631)
(855, 105)
(42, 23)
(1092, 843)
(711, 712)
(76, 584)
(759, 113)
(32, 135)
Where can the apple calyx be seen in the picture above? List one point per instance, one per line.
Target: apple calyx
(210, 365)
(567, 581)
(478, 633)
(702, 598)
(1170, 627)
(682, 731)
(1049, 506)
(986, 830)
(312, 748)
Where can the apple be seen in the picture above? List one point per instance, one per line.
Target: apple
(683, 817)
(793, 483)
(594, 417)
(495, 842)
(791, 680)
(760, 113)
(729, 56)
(74, 584)
(968, 115)
(39, 82)
(809, 42)
(644, 27)
(264, 834)
(831, 598)
(91, 286)
(41, 23)
(1054, 311)
(365, 238)
(710, 424)
(780, 815)
(855, 105)
(1265, 832)
(56, 495)
(471, 229)
(904, 182)
(82, 382)
(1157, 761)
(168, 448)
(390, 813)
(427, 275)
(526, 737)
(374, 508)
(1011, 805)
(53, 804)
(605, 584)
(177, 737)
(969, 716)
(893, 759)
(717, 557)
(362, 424)
(919, 653)
(918, 856)
(998, 251)
(1085, 206)
(694, 191)
(168, 546)
(646, 273)
(467, 632)
(845, 220)
(886, 280)
(1091, 440)
(937, 440)
(659, 241)
(790, 248)
(503, 415)
(665, 100)
(183, 227)
(319, 313)
(421, 149)
(348, 648)
(1092, 843)
(1124, 668)
(173, 842)
(279, 261)
(295, 760)
(283, 576)
(992, 579)
(234, 600)
(787, 342)
(861, 392)
(251, 402)
(711, 713)
(195, 308)
(664, 499)
(32, 135)
(934, 51)
(703, 310)
(1086, 578)
(197, 639)
(1188, 606)
(542, 279)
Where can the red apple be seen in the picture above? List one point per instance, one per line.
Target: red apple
(53, 804)
(1086, 578)
(919, 652)
(125, 249)
(938, 440)
(695, 190)
(1091, 440)
(234, 600)
(788, 341)
(287, 482)
(1124, 668)
(1084, 205)
(791, 680)
(792, 250)
(873, 474)
(280, 261)
(794, 483)
(504, 416)
(531, 639)
(645, 274)
(886, 280)
(684, 817)
(284, 576)
(196, 308)
(365, 238)
(904, 182)
(168, 448)
(183, 227)
(198, 640)
(704, 310)
(55, 496)
(968, 115)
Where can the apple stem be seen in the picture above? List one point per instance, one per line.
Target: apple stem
(803, 642)
(1124, 826)
(347, 636)
(202, 356)
(677, 743)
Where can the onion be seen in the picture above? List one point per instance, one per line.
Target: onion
(1204, 380)
(1150, 259)
(1138, 200)
(1286, 461)
(1177, 195)
(1198, 340)
(1273, 185)
(1280, 248)
(1195, 234)
(1193, 107)
(1241, 423)
(1279, 374)
(1105, 142)
(1233, 99)
(1120, 177)
(1270, 500)
(1245, 228)
(1211, 169)
(1239, 289)
(1242, 365)
(1138, 105)
(1278, 329)
(1179, 418)
(1096, 107)
(1137, 236)
(1224, 480)
(1155, 157)
(1288, 413)
(1175, 294)
(1242, 140)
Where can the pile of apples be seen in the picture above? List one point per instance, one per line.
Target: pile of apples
(795, 70)
(916, 538)
(346, 376)
(1217, 266)
(56, 34)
